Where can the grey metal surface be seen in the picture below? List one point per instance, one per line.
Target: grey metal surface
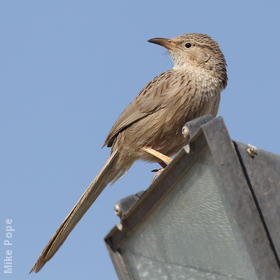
(263, 171)
(242, 203)
(191, 235)
(119, 264)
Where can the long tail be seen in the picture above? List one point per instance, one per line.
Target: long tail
(109, 173)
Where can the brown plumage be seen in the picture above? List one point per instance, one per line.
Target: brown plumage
(155, 118)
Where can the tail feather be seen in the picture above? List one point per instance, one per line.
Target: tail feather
(109, 172)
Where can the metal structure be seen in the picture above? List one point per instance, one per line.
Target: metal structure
(214, 213)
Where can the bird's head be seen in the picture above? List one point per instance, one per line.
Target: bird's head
(195, 50)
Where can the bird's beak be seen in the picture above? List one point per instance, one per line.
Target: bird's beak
(167, 43)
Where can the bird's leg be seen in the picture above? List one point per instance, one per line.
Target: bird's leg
(158, 155)
(162, 163)
(161, 159)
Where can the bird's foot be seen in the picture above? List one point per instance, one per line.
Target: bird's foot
(162, 159)
(157, 173)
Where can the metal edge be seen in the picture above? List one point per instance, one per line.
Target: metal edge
(119, 264)
(240, 199)
(267, 205)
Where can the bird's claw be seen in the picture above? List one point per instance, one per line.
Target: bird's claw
(157, 173)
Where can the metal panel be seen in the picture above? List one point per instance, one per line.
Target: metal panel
(241, 200)
(192, 234)
(263, 171)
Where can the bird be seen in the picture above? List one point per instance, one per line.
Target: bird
(150, 128)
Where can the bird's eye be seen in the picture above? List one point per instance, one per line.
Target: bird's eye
(188, 45)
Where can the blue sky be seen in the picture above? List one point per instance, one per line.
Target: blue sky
(68, 68)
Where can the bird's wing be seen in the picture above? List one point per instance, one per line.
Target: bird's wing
(150, 99)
